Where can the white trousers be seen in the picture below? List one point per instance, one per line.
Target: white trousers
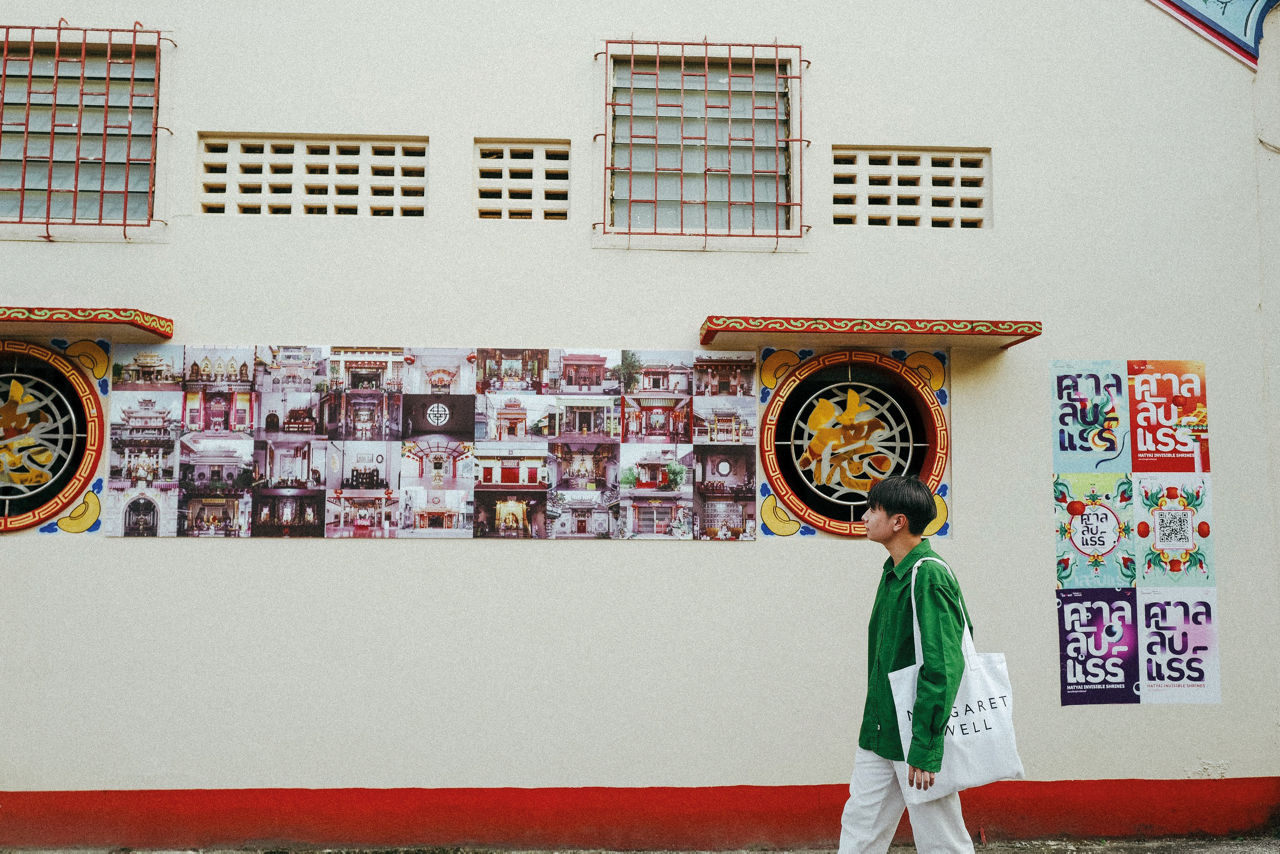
(875, 806)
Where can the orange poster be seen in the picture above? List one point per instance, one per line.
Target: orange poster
(1168, 416)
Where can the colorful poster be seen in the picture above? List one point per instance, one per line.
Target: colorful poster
(1179, 640)
(1134, 550)
(1168, 416)
(1091, 416)
(1098, 641)
(1172, 514)
(1094, 514)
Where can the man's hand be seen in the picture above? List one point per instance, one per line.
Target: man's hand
(919, 779)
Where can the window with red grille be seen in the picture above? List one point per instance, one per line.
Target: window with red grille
(703, 139)
(78, 129)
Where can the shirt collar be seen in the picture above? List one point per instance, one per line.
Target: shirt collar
(908, 561)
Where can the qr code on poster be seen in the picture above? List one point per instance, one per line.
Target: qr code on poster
(1173, 529)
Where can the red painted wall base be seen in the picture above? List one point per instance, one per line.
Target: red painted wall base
(610, 818)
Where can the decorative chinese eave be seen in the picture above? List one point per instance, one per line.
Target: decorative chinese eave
(126, 325)
(745, 333)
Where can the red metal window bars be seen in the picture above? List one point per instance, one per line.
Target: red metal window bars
(704, 139)
(78, 128)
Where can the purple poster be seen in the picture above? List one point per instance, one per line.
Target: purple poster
(1098, 639)
(1179, 645)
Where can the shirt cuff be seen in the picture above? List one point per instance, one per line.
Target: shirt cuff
(924, 759)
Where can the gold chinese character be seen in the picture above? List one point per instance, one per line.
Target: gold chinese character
(21, 457)
(842, 445)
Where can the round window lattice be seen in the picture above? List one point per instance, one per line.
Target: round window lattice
(51, 434)
(837, 424)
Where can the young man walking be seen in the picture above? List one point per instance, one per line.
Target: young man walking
(899, 508)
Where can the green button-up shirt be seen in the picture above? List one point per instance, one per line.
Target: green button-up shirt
(891, 646)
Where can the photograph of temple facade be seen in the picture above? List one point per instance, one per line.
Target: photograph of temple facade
(656, 491)
(655, 403)
(660, 370)
(724, 492)
(724, 419)
(363, 399)
(216, 475)
(511, 370)
(439, 370)
(437, 477)
(509, 417)
(361, 499)
(146, 367)
(289, 382)
(586, 418)
(141, 495)
(289, 493)
(576, 467)
(585, 371)
(506, 465)
(582, 515)
(729, 373)
(435, 513)
(656, 416)
(218, 390)
(511, 489)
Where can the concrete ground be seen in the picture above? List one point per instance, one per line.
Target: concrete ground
(1251, 845)
(1157, 846)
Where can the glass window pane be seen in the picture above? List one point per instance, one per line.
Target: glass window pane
(686, 159)
(8, 205)
(669, 216)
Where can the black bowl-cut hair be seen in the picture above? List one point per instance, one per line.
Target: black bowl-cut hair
(905, 495)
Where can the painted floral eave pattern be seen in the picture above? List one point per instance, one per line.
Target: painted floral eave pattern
(740, 331)
(118, 324)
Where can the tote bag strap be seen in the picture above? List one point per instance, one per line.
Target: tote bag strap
(966, 640)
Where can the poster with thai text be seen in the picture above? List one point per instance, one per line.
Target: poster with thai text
(1091, 416)
(1094, 516)
(1168, 416)
(1133, 522)
(1098, 642)
(1179, 640)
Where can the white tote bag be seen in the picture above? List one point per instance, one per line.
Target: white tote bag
(978, 744)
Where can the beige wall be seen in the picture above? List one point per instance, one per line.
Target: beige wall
(1127, 217)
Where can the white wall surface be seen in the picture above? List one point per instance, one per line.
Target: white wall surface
(1127, 192)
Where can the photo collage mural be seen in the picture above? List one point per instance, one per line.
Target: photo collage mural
(1136, 577)
(395, 442)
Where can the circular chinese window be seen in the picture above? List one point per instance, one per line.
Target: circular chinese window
(51, 434)
(839, 423)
